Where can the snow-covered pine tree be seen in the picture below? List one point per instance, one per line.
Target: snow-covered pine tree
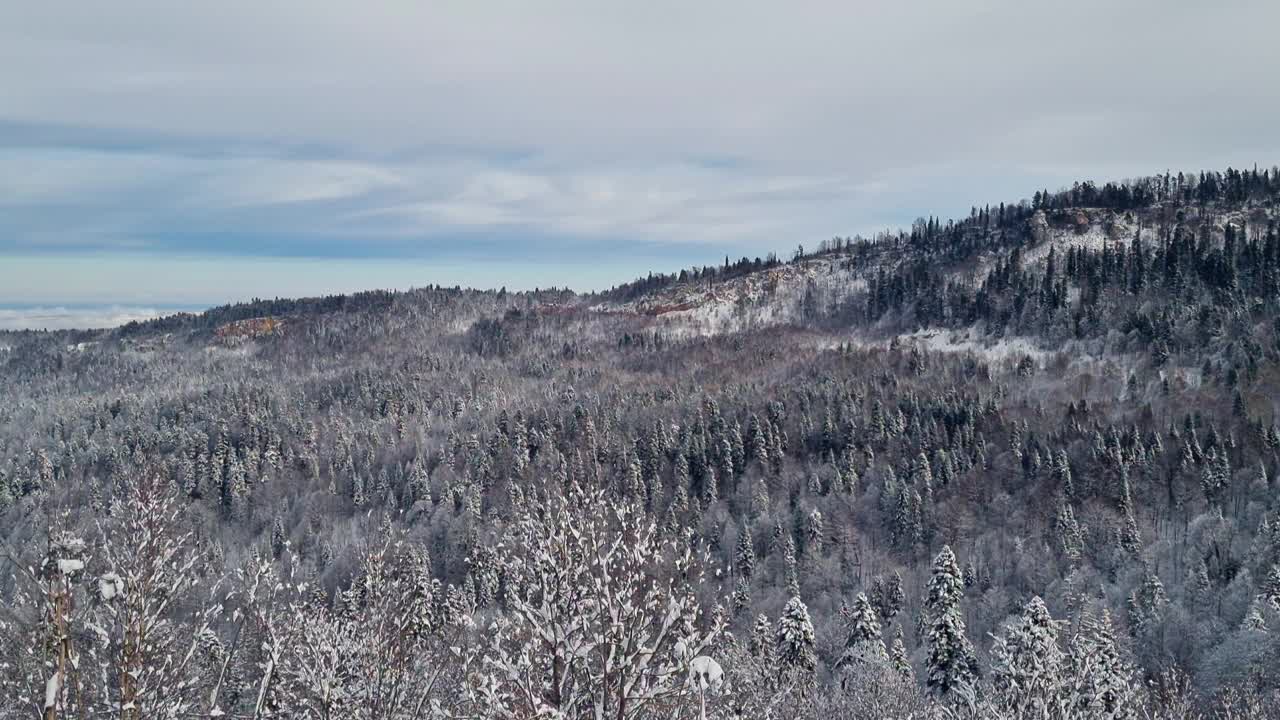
(1067, 536)
(761, 643)
(1147, 603)
(898, 658)
(951, 663)
(1270, 587)
(864, 643)
(1103, 682)
(745, 553)
(795, 642)
(1028, 664)
(1062, 474)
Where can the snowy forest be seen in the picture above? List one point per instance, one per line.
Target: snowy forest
(1021, 464)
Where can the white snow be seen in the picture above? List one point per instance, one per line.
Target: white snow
(68, 566)
(51, 690)
(706, 673)
(110, 586)
(1096, 237)
(938, 340)
(758, 299)
(962, 342)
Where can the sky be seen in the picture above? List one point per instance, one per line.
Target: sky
(160, 154)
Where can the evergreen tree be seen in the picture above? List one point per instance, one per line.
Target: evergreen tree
(1027, 663)
(795, 640)
(1067, 534)
(951, 663)
(760, 644)
(1104, 682)
(864, 643)
(898, 658)
(746, 553)
(1271, 586)
(1062, 474)
(1147, 604)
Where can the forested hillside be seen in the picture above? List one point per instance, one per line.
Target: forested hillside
(1018, 465)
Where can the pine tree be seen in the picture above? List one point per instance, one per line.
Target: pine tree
(1130, 538)
(795, 641)
(279, 536)
(792, 568)
(888, 596)
(1103, 681)
(814, 528)
(1147, 604)
(898, 659)
(761, 643)
(746, 554)
(1124, 502)
(864, 643)
(1067, 535)
(951, 663)
(908, 531)
(1254, 619)
(1027, 663)
(1271, 586)
(741, 596)
(1062, 474)
(1216, 475)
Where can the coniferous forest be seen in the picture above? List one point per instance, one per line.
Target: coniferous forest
(1022, 464)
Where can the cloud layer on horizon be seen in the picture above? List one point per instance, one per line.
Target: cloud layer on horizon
(73, 318)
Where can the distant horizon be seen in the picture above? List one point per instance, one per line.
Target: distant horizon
(159, 153)
(277, 277)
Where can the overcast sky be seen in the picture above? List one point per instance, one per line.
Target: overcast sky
(198, 152)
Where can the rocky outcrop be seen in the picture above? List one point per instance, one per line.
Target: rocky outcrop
(248, 328)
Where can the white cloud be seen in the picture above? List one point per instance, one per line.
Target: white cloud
(78, 176)
(663, 204)
(246, 182)
(858, 86)
(63, 318)
(116, 197)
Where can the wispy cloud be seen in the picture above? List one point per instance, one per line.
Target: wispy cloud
(672, 204)
(121, 198)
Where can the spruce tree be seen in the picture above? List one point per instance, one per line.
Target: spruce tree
(746, 554)
(951, 663)
(864, 643)
(795, 641)
(1147, 604)
(1271, 586)
(1104, 681)
(760, 644)
(1067, 536)
(898, 658)
(1027, 663)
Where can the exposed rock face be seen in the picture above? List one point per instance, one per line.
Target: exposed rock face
(249, 328)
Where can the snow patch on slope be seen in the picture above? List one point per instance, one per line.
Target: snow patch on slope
(1095, 237)
(937, 340)
(770, 297)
